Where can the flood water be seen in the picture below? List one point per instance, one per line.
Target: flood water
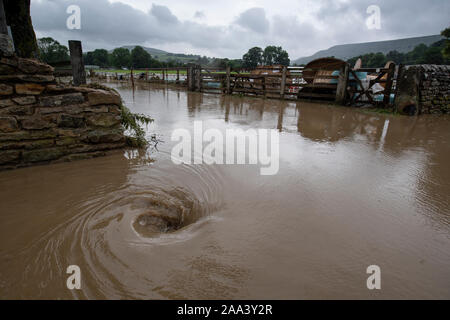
(354, 189)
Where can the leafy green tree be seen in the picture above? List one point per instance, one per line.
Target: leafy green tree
(446, 50)
(275, 55)
(51, 51)
(433, 55)
(377, 60)
(396, 56)
(140, 58)
(416, 55)
(253, 58)
(121, 58)
(100, 57)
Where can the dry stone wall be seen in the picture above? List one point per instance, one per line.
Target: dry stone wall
(41, 121)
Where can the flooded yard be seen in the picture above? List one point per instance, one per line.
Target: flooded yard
(354, 189)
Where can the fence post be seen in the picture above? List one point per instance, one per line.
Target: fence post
(228, 79)
(132, 77)
(388, 85)
(190, 78)
(283, 82)
(3, 24)
(178, 75)
(76, 59)
(199, 79)
(341, 90)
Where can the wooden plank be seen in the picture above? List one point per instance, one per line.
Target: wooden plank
(388, 85)
(283, 82)
(228, 85)
(76, 59)
(316, 95)
(341, 90)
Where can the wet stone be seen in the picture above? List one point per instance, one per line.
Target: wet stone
(6, 89)
(8, 124)
(60, 100)
(24, 100)
(29, 88)
(66, 121)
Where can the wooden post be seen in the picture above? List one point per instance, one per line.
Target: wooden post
(178, 75)
(132, 77)
(283, 82)
(228, 80)
(76, 59)
(190, 78)
(198, 79)
(3, 24)
(264, 87)
(18, 17)
(341, 91)
(146, 74)
(388, 85)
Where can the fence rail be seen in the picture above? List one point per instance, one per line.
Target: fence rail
(343, 86)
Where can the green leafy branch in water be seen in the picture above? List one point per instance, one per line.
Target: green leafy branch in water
(131, 122)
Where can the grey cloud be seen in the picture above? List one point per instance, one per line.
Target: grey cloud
(163, 14)
(108, 25)
(199, 15)
(254, 19)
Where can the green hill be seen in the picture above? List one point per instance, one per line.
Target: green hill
(165, 56)
(347, 51)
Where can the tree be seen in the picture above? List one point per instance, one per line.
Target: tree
(51, 51)
(446, 50)
(432, 56)
(275, 55)
(377, 60)
(121, 58)
(18, 18)
(100, 57)
(396, 56)
(269, 54)
(140, 58)
(253, 58)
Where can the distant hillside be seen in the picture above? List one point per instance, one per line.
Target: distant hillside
(165, 56)
(347, 51)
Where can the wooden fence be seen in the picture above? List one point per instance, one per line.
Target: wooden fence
(344, 86)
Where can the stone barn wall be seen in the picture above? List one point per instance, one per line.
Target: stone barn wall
(424, 89)
(435, 89)
(41, 121)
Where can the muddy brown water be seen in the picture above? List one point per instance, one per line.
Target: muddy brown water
(354, 189)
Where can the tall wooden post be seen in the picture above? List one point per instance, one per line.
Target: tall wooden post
(190, 78)
(388, 85)
(3, 24)
(76, 59)
(341, 91)
(178, 75)
(18, 17)
(132, 77)
(164, 75)
(198, 82)
(228, 80)
(264, 86)
(283, 82)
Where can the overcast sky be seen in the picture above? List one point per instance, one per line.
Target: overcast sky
(229, 28)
